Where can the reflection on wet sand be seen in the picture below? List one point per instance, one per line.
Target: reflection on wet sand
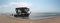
(7, 19)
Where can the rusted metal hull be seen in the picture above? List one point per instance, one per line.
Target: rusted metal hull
(22, 15)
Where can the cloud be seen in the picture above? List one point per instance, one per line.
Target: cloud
(10, 7)
(13, 4)
(20, 4)
(0, 6)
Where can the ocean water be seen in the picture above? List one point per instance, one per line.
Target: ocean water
(35, 16)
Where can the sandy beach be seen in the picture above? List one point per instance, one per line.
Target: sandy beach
(6, 19)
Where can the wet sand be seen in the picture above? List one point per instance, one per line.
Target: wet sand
(7, 19)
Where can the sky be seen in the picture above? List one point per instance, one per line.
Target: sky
(8, 6)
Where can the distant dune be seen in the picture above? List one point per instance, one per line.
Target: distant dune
(7, 19)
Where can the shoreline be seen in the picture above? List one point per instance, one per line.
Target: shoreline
(5, 19)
